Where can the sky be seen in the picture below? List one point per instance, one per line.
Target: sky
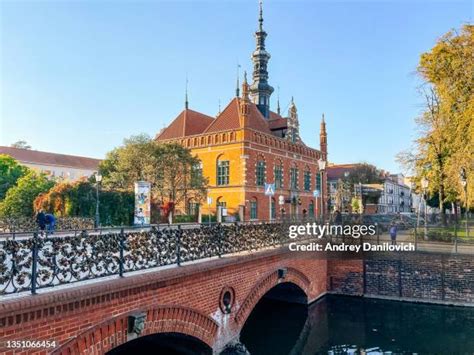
(77, 77)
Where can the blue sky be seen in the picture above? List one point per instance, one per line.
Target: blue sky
(79, 76)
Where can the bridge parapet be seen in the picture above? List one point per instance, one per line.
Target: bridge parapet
(37, 263)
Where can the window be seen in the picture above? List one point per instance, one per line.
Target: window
(278, 172)
(307, 180)
(193, 208)
(318, 182)
(253, 209)
(223, 172)
(260, 173)
(221, 203)
(273, 207)
(311, 209)
(196, 174)
(294, 178)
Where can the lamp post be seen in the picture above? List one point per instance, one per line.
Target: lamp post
(463, 177)
(98, 179)
(322, 167)
(424, 185)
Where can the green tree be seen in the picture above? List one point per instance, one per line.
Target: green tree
(78, 199)
(174, 173)
(10, 172)
(19, 199)
(363, 173)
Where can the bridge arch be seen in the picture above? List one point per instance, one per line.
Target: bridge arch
(161, 319)
(265, 284)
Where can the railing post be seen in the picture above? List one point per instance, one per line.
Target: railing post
(377, 231)
(219, 240)
(416, 238)
(34, 266)
(456, 238)
(121, 248)
(178, 246)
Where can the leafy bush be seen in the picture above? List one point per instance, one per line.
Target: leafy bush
(184, 218)
(440, 236)
(19, 199)
(78, 199)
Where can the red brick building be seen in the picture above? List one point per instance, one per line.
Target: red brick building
(248, 145)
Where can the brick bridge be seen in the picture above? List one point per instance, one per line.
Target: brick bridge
(208, 300)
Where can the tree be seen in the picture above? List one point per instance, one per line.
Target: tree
(21, 144)
(173, 172)
(78, 199)
(10, 172)
(19, 199)
(363, 173)
(446, 140)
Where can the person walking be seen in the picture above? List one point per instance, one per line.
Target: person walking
(393, 233)
(50, 222)
(337, 218)
(41, 220)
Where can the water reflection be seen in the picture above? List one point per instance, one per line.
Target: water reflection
(347, 325)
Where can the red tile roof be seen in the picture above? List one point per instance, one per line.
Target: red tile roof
(45, 158)
(276, 121)
(230, 119)
(187, 123)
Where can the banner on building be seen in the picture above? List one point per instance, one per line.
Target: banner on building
(142, 203)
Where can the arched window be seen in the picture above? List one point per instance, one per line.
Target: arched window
(223, 171)
(260, 172)
(253, 208)
(220, 202)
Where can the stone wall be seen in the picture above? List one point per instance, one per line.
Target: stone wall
(408, 276)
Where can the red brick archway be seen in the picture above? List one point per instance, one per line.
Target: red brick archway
(162, 319)
(264, 285)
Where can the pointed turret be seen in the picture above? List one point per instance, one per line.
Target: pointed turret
(186, 102)
(244, 102)
(260, 89)
(293, 131)
(323, 139)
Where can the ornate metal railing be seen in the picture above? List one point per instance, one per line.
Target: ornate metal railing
(40, 262)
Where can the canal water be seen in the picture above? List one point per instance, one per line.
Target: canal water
(351, 325)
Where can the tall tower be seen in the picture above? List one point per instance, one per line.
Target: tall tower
(323, 139)
(260, 90)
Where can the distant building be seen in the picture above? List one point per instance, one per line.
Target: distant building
(396, 196)
(68, 167)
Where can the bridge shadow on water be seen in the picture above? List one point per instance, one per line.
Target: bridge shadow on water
(277, 322)
(163, 344)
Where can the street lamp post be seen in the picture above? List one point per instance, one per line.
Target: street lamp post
(322, 167)
(424, 185)
(98, 179)
(463, 176)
